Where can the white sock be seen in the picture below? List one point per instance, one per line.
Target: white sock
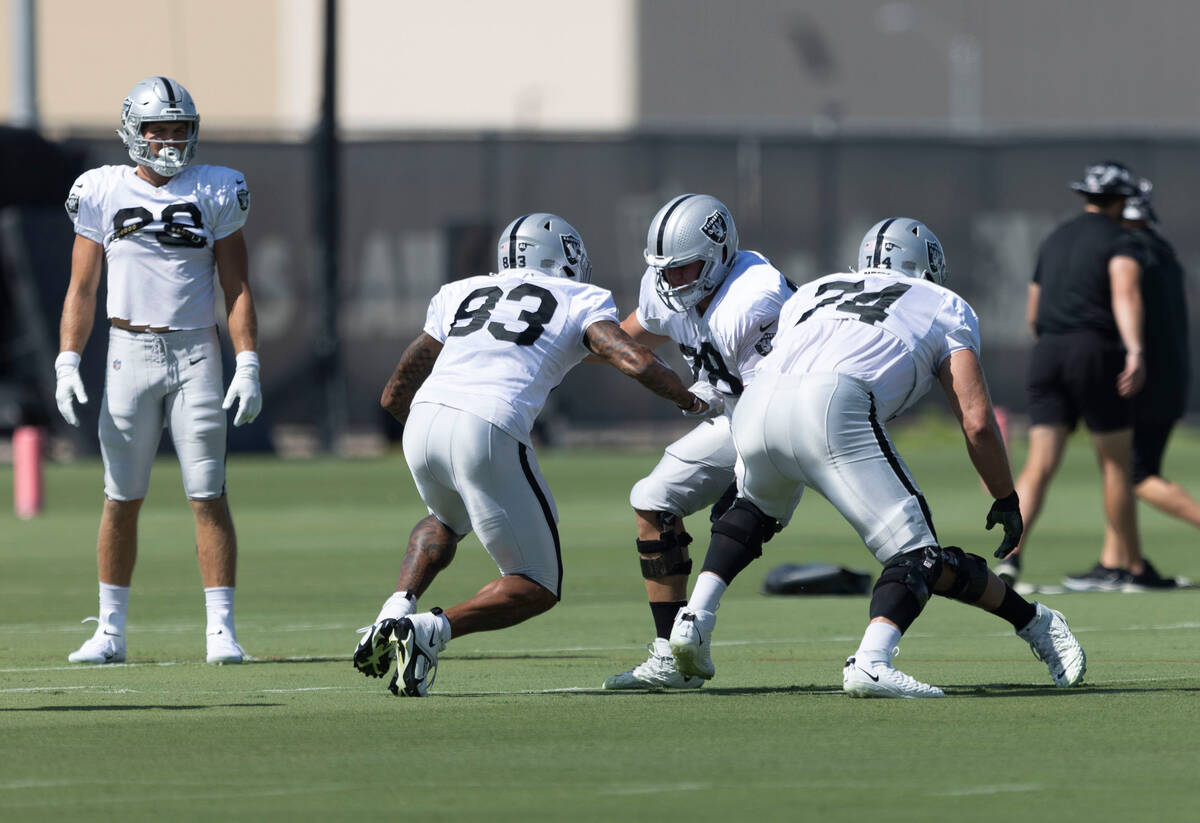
(114, 606)
(707, 593)
(877, 643)
(400, 604)
(218, 602)
(444, 628)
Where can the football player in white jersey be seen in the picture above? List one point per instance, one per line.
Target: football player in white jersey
(468, 390)
(853, 351)
(720, 305)
(163, 226)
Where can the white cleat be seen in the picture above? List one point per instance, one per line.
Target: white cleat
(691, 641)
(658, 672)
(1051, 641)
(223, 649)
(418, 641)
(881, 679)
(107, 645)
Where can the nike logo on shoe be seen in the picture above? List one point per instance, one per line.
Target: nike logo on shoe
(874, 677)
(767, 325)
(112, 634)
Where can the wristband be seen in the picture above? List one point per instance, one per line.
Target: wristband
(246, 359)
(68, 359)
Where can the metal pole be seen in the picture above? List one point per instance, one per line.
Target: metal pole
(24, 64)
(328, 238)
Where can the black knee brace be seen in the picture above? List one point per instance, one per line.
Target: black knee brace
(904, 586)
(669, 547)
(723, 503)
(970, 575)
(737, 539)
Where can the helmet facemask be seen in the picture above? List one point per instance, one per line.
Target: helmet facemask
(159, 100)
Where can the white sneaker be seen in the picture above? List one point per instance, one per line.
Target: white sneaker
(376, 648)
(418, 641)
(881, 679)
(223, 648)
(658, 672)
(1050, 639)
(107, 645)
(691, 640)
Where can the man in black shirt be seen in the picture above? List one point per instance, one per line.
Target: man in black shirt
(1085, 311)
(1163, 400)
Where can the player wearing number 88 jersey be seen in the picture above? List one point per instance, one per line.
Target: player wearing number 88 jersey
(165, 228)
(468, 390)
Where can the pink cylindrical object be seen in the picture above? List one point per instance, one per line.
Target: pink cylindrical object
(27, 471)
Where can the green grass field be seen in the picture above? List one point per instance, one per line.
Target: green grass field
(518, 728)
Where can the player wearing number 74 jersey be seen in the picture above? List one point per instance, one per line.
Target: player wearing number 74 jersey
(163, 226)
(853, 351)
(468, 390)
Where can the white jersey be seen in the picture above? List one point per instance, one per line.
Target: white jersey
(158, 240)
(725, 344)
(508, 340)
(890, 331)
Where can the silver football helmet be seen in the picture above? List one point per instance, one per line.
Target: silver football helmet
(1140, 207)
(691, 227)
(157, 100)
(546, 242)
(905, 246)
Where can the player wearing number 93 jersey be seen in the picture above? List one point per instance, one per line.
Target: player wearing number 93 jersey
(468, 390)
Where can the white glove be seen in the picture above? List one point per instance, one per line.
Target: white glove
(69, 387)
(708, 393)
(244, 388)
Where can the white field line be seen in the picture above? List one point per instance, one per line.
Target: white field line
(974, 791)
(1183, 626)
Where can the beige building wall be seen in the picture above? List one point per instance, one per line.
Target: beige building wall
(254, 66)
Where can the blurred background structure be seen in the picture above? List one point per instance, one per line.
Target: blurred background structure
(811, 120)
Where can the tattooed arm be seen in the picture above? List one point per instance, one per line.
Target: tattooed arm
(607, 340)
(415, 365)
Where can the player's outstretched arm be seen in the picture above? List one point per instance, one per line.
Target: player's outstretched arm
(415, 365)
(962, 379)
(609, 342)
(638, 333)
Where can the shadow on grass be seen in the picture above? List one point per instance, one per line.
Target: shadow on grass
(140, 708)
(1026, 690)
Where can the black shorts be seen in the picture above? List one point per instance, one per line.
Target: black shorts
(1075, 375)
(1149, 444)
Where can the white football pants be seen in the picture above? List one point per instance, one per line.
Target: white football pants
(474, 476)
(152, 379)
(820, 430)
(694, 471)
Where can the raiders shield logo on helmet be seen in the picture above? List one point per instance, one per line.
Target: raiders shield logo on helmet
(571, 248)
(937, 261)
(714, 228)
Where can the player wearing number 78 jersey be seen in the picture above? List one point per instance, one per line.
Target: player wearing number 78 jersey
(720, 305)
(468, 390)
